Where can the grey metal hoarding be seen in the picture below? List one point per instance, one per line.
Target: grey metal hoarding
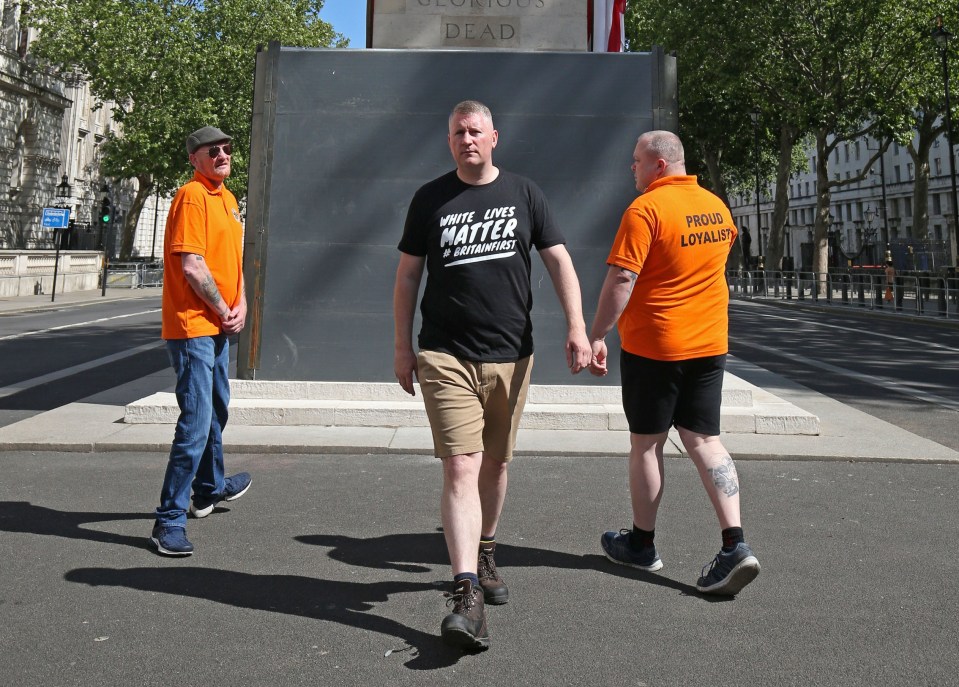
(343, 138)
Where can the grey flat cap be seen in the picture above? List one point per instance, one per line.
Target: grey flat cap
(204, 136)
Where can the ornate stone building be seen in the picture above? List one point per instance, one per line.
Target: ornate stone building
(51, 131)
(32, 106)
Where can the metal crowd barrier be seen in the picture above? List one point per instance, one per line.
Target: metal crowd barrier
(135, 275)
(931, 296)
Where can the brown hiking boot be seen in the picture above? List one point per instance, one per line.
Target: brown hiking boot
(495, 592)
(465, 627)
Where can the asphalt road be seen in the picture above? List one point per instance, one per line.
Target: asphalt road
(72, 352)
(330, 571)
(901, 370)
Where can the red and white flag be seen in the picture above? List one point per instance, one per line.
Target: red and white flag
(608, 30)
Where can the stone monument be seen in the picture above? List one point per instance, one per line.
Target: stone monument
(522, 25)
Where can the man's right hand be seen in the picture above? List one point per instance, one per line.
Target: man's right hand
(404, 367)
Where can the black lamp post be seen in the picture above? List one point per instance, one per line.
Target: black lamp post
(63, 195)
(942, 37)
(754, 115)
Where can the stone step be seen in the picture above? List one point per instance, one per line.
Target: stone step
(746, 408)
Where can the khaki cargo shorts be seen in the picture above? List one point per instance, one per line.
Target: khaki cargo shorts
(473, 406)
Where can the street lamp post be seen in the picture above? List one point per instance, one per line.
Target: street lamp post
(754, 115)
(942, 37)
(63, 195)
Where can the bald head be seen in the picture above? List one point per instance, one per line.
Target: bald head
(666, 146)
(658, 154)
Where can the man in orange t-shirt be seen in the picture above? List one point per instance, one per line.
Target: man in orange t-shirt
(667, 290)
(203, 304)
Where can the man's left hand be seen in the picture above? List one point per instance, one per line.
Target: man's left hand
(234, 322)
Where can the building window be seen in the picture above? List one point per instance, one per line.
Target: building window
(898, 173)
(857, 150)
(936, 204)
(909, 169)
(907, 202)
(937, 165)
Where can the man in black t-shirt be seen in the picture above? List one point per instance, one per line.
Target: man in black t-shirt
(473, 229)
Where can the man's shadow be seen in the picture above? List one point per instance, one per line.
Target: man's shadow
(415, 552)
(347, 603)
(22, 516)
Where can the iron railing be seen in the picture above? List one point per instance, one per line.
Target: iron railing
(931, 296)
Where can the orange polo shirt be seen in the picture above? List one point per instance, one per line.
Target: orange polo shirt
(676, 237)
(205, 221)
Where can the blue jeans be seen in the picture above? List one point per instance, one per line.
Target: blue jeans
(202, 366)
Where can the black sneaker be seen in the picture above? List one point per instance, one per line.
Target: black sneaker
(171, 541)
(619, 550)
(233, 488)
(729, 572)
(465, 627)
(495, 591)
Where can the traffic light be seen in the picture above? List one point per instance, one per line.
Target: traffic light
(106, 211)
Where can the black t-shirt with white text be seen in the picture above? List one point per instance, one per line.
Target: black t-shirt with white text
(476, 241)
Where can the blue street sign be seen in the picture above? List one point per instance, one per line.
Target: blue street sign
(55, 218)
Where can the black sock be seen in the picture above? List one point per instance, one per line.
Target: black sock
(487, 541)
(466, 576)
(731, 537)
(641, 539)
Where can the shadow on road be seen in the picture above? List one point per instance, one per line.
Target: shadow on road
(347, 603)
(414, 552)
(22, 516)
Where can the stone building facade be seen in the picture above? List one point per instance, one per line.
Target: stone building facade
(51, 131)
(862, 223)
(32, 106)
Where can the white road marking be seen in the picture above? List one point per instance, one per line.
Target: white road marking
(76, 324)
(884, 383)
(76, 369)
(894, 337)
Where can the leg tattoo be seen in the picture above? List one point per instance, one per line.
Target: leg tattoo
(725, 477)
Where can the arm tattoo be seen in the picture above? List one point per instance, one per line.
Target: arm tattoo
(210, 290)
(724, 476)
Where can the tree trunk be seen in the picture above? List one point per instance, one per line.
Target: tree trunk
(735, 259)
(820, 263)
(927, 133)
(774, 249)
(144, 189)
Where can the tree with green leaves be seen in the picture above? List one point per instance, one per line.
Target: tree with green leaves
(830, 69)
(168, 67)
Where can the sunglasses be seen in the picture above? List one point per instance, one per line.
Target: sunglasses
(214, 151)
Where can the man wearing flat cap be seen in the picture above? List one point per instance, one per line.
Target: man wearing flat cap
(203, 305)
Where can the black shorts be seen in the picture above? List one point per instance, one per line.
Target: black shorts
(659, 394)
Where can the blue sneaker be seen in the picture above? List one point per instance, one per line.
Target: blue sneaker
(171, 541)
(619, 550)
(233, 488)
(729, 572)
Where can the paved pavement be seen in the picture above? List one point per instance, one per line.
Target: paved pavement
(95, 426)
(331, 569)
